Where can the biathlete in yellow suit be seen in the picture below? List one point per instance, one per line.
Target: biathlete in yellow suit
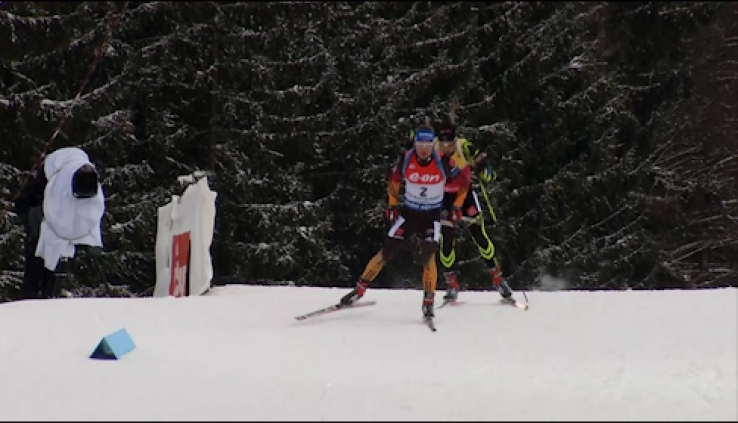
(466, 156)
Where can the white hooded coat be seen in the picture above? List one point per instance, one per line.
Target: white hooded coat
(68, 221)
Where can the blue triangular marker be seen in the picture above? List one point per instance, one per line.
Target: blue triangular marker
(114, 346)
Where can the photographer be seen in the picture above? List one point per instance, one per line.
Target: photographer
(61, 207)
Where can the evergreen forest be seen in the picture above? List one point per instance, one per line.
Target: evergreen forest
(609, 125)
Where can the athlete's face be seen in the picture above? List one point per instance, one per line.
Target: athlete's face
(447, 147)
(424, 149)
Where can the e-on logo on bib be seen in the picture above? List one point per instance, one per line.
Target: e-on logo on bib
(426, 178)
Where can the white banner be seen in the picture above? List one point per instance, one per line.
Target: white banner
(183, 237)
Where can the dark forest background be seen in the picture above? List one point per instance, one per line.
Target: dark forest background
(611, 125)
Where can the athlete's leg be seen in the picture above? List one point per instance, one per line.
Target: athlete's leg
(429, 246)
(484, 244)
(400, 229)
(447, 250)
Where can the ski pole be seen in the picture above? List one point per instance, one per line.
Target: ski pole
(486, 199)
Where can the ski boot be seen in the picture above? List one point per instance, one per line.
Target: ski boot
(428, 306)
(502, 287)
(356, 294)
(452, 286)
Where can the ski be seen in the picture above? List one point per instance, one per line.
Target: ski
(515, 303)
(333, 308)
(451, 303)
(429, 322)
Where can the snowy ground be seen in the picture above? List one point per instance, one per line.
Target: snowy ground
(239, 354)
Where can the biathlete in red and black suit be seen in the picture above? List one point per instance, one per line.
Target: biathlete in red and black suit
(425, 173)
